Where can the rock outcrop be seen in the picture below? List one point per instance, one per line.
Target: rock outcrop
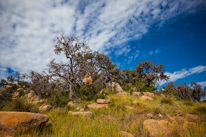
(155, 128)
(146, 98)
(112, 86)
(21, 121)
(123, 94)
(125, 134)
(88, 114)
(97, 106)
(136, 93)
(44, 108)
(103, 101)
(148, 94)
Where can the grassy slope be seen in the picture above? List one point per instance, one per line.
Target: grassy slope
(109, 121)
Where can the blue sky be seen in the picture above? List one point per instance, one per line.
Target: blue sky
(172, 33)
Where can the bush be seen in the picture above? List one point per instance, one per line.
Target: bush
(21, 105)
(166, 100)
(200, 109)
(21, 93)
(188, 103)
(5, 97)
(59, 100)
(156, 110)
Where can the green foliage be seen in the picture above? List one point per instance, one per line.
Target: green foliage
(20, 105)
(188, 103)
(5, 97)
(166, 100)
(59, 100)
(155, 110)
(112, 103)
(70, 108)
(21, 93)
(200, 109)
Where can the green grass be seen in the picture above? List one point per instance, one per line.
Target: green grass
(110, 121)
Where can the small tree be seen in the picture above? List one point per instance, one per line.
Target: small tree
(74, 69)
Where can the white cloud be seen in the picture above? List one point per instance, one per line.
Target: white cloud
(202, 84)
(28, 28)
(183, 73)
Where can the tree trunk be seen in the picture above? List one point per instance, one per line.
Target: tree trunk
(71, 92)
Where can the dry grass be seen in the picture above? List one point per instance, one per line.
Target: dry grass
(109, 121)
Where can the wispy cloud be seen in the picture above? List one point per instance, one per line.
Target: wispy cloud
(29, 27)
(183, 73)
(202, 84)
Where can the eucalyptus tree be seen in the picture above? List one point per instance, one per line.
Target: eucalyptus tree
(73, 70)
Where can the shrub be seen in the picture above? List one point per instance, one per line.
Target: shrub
(59, 100)
(21, 93)
(155, 110)
(166, 100)
(112, 103)
(188, 103)
(21, 105)
(70, 108)
(200, 109)
(5, 97)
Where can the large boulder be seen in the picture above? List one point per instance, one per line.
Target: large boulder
(136, 93)
(20, 89)
(8, 86)
(97, 106)
(146, 98)
(31, 95)
(155, 128)
(88, 79)
(44, 108)
(192, 116)
(112, 86)
(15, 94)
(148, 94)
(125, 134)
(122, 94)
(12, 84)
(21, 121)
(88, 113)
(103, 101)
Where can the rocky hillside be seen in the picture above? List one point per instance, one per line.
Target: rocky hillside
(117, 114)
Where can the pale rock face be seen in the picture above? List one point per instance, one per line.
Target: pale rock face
(97, 106)
(14, 121)
(103, 101)
(114, 86)
(146, 98)
(122, 94)
(44, 108)
(155, 128)
(125, 134)
(8, 86)
(19, 89)
(136, 93)
(160, 115)
(148, 94)
(192, 116)
(87, 114)
(149, 115)
(88, 79)
(187, 125)
(16, 94)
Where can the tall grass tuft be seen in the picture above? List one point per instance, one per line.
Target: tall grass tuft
(166, 100)
(21, 105)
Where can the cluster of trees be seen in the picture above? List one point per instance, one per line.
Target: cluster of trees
(192, 92)
(81, 61)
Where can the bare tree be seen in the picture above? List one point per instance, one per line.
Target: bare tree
(41, 83)
(74, 69)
